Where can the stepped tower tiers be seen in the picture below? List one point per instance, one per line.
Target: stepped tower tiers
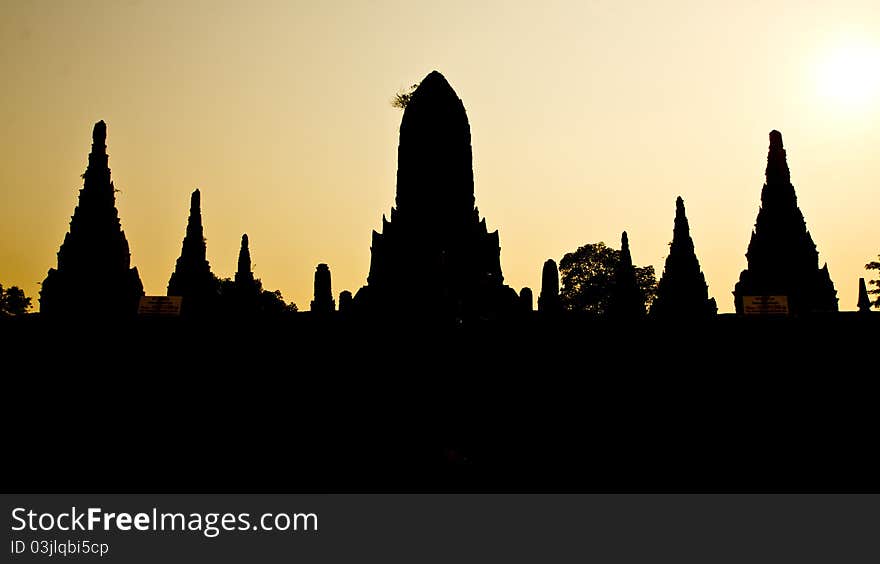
(682, 292)
(94, 275)
(192, 278)
(246, 289)
(435, 255)
(782, 258)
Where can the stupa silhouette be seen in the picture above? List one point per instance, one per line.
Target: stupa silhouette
(435, 256)
(782, 257)
(94, 275)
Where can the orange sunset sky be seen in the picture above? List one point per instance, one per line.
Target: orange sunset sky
(587, 118)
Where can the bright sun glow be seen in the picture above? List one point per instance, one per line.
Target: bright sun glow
(849, 75)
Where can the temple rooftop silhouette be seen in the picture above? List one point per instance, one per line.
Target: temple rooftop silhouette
(435, 257)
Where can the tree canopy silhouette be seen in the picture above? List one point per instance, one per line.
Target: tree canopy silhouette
(13, 302)
(875, 265)
(588, 276)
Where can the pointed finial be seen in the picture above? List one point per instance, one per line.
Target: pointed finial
(244, 241)
(775, 140)
(196, 199)
(99, 133)
(624, 241)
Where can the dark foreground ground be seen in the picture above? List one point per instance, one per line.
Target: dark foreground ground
(528, 405)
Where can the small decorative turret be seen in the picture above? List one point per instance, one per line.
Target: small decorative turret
(526, 301)
(626, 302)
(548, 301)
(323, 302)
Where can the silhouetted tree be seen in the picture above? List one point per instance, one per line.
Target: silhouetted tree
(402, 98)
(13, 302)
(268, 303)
(588, 278)
(875, 265)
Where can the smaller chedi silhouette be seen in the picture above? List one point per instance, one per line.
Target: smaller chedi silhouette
(864, 303)
(345, 302)
(192, 278)
(323, 302)
(526, 300)
(782, 257)
(243, 296)
(549, 301)
(682, 293)
(94, 276)
(626, 301)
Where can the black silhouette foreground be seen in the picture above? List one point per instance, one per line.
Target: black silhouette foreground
(94, 277)
(383, 395)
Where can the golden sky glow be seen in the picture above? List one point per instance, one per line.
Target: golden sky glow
(587, 118)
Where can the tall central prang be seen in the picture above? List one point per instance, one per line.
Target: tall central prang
(435, 255)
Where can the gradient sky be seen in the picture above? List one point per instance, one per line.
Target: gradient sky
(587, 118)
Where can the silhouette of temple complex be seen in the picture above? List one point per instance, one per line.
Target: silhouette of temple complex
(782, 257)
(94, 276)
(435, 256)
(192, 278)
(682, 292)
(323, 302)
(626, 301)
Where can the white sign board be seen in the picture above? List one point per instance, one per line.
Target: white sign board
(765, 305)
